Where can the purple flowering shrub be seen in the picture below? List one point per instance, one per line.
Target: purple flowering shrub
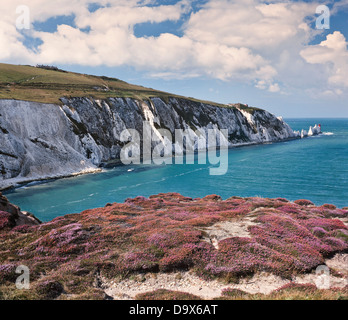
(8, 273)
(289, 236)
(137, 261)
(180, 258)
(70, 239)
(163, 294)
(327, 224)
(299, 286)
(304, 202)
(238, 257)
(22, 229)
(290, 209)
(169, 232)
(50, 289)
(329, 206)
(233, 293)
(6, 220)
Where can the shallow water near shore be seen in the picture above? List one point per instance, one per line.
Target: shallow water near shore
(314, 168)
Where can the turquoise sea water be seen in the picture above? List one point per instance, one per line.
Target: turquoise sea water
(314, 168)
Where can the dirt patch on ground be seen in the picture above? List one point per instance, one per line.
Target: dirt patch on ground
(339, 263)
(228, 229)
(337, 275)
(188, 282)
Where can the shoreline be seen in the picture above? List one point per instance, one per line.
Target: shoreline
(15, 183)
(24, 182)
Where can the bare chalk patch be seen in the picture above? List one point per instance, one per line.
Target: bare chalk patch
(228, 229)
(264, 283)
(188, 282)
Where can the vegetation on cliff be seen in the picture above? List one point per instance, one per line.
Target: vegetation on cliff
(68, 256)
(49, 84)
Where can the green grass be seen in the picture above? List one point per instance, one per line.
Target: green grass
(247, 108)
(291, 291)
(48, 86)
(163, 294)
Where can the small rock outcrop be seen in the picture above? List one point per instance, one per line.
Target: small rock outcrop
(11, 216)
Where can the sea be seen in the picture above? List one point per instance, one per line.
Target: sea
(314, 168)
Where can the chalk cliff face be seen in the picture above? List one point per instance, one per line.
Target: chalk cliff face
(39, 141)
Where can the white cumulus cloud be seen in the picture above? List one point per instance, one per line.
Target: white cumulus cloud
(263, 43)
(332, 53)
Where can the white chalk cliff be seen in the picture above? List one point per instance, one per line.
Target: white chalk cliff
(40, 141)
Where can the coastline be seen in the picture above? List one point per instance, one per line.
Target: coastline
(15, 183)
(49, 141)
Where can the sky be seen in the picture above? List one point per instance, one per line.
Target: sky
(288, 57)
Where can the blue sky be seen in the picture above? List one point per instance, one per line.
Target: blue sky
(267, 54)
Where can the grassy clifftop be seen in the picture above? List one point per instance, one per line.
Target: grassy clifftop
(48, 86)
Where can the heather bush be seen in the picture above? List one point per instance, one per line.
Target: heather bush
(137, 200)
(50, 289)
(137, 261)
(292, 288)
(169, 232)
(291, 291)
(8, 273)
(163, 294)
(22, 229)
(203, 221)
(303, 202)
(6, 220)
(325, 223)
(238, 257)
(341, 234)
(178, 258)
(241, 210)
(335, 244)
(234, 293)
(282, 200)
(337, 213)
(319, 232)
(285, 235)
(289, 208)
(182, 216)
(329, 206)
(236, 201)
(263, 203)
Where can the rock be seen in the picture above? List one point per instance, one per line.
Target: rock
(27, 218)
(11, 216)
